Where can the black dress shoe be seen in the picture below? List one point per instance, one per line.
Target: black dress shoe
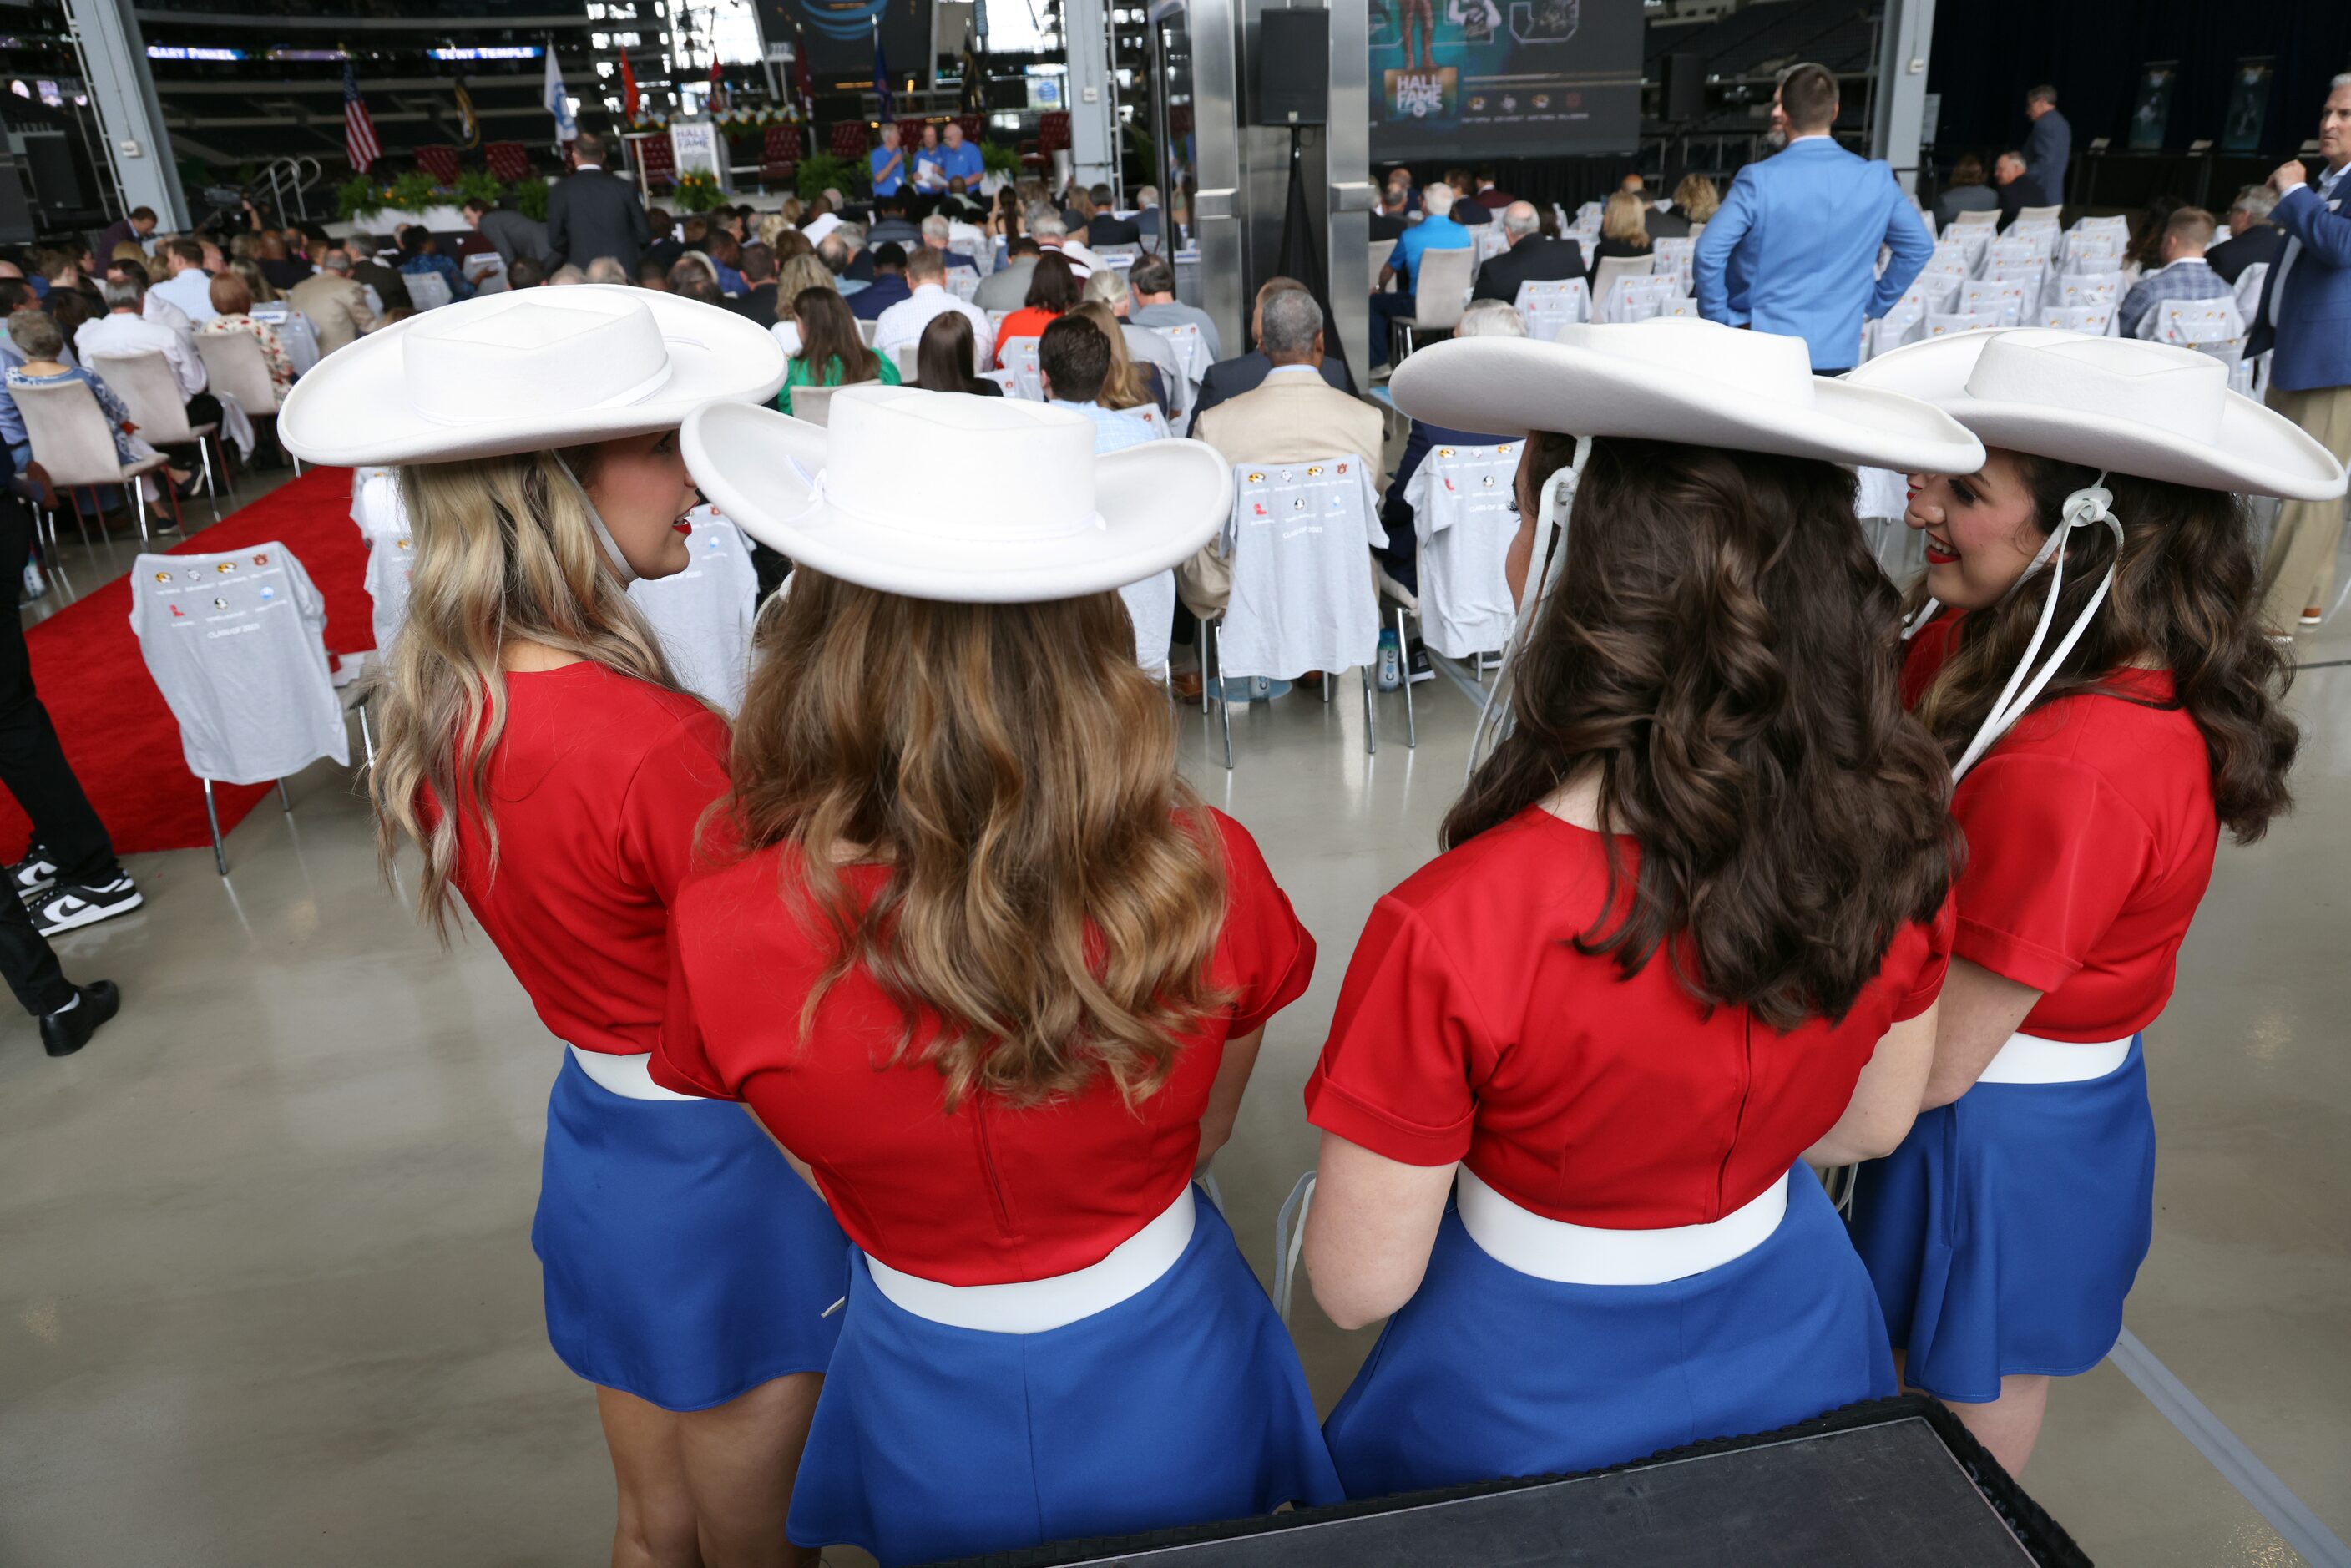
(67, 1031)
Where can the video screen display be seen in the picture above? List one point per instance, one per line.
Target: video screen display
(838, 35)
(1500, 79)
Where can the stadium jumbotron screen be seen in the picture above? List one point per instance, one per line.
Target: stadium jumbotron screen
(1485, 78)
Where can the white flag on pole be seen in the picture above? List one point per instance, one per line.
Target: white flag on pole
(558, 101)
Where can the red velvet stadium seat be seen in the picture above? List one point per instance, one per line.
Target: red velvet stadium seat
(508, 160)
(779, 154)
(440, 161)
(849, 139)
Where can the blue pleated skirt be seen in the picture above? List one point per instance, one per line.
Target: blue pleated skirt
(1183, 1404)
(2004, 1233)
(683, 1260)
(1488, 1373)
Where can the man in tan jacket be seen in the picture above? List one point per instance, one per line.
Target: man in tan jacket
(334, 301)
(1293, 415)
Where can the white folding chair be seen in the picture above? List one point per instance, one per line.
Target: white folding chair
(1381, 250)
(1119, 256)
(962, 283)
(1299, 539)
(235, 367)
(1906, 323)
(2194, 323)
(1191, 351)
(865, 331)
(296, 335)
(2114, 224)
(1939, 291)
(74, 443)
(2032, 275)
(427, 291)
(145, 383)
(2037, 218)
(1635, 298)
(1981, 295)
(1020, 357)
(966, 239)
(2069, 290)
(2015, 247)
(1988, 218)
(1546, 305)
(2250, 283)
(814, 404)
(909, 360)
(1004, 379)
(1962, 321)
(235, 643)
(1440, 292)
(1974, 242)
(1678, 257)
(1604, 276)
(1489, 241)
(996, 325)
(1464, 521)
(703, 614)
(2094, 250)
(2094, 321)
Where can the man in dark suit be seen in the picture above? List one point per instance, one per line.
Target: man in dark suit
(758, 302)
(590, 213)
(1388, 222)
(2018, 190)
(1530, 258)
(1107, 227)
(889, 285)
(1229, 379)
(2253, 238)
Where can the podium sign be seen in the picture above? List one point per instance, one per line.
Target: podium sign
(699, 148)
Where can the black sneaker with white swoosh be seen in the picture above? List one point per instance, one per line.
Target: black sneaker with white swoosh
(71, 905)
(33, 874)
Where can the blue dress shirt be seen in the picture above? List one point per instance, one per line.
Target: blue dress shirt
(1429, 234)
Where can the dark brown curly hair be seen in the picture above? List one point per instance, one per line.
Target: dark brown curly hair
(2183, 600)
(1722, 648)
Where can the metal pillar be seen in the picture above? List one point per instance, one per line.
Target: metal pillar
(1352, 195)
(1093, 95)
(114, 62)
(1899, 105)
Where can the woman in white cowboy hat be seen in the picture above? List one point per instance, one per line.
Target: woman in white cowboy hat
(538, 752)
(2093, 786)
(1687, 933)
(1006, 979)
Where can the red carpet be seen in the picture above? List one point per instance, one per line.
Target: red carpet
(121, 740)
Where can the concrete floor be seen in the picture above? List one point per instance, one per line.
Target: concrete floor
(268, 1295)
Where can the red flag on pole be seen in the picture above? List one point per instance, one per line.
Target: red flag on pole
(628, 88)
(717, 84)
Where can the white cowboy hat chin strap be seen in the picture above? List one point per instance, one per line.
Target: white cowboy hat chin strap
(2084, 508)
(1551, 516)
(612, 555)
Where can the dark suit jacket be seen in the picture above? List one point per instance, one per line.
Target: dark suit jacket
(1386, 227)
(389, 286)
(1533, 259)
(2022, 192)
(2229, 259)
(1230, 377)
(591, 214)
(868, 303)
(1469, 215)
(1493, 199)
(759, 305)
(1666, 225)
(1108, 230)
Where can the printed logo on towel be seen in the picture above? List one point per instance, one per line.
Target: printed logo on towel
(261, 559)
(1501, 452)
(1287, 475)
(162, 577)
(1445, 452)
(268, 593)
(1338, 503)
(1259, 508)
(226, 565)
(1257, 478)
(1342, 468)
(178, 614)
(1314, 473)
(220, 603)
(1487, 481)
(1298, 503)
(196, 576)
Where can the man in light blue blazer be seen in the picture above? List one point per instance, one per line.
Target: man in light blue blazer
(1795, 247)
(2305, 317)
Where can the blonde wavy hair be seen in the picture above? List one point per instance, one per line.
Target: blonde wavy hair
(1054, 888)
(1124, 386)
(504, 551)
(1626, 218)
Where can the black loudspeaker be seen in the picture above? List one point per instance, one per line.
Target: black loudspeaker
(17, 226)
(1684, 87)
(1293, 68)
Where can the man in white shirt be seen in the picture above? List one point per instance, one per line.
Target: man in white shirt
(125, 331)
(1046, 228)
(189, 286)
(154, 306)
(901, 326)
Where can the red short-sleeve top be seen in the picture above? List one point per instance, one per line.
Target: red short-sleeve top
(2090, 833)
(988, 1193)
(596, 788)
(1470, 1029)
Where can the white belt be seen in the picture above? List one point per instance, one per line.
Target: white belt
(1033, 1306)
(624, 1075)
(1589, 1255)
(2029, 1059)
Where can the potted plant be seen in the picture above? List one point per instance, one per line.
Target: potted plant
(819, 170)
(698, 190)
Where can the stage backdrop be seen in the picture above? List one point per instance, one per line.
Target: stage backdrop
(1480, 80)
(838, 37)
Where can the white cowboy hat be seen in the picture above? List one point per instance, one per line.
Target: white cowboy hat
(945, 495)
(524, 371)
(1676, 379)
(2151, 410)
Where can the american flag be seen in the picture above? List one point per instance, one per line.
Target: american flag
(358, 131)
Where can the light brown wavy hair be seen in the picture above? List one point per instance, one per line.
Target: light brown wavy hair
(1722, 649)
(1054, 890)
(2183, 600)
(503, 549)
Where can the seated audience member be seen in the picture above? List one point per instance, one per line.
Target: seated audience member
(1489, 195)
(928, 297)
(281, 267)
(366, 268)
(132, 229)
(609, 271)
(2183, 273)
(1075, 362)
(2017, 189)
(1466, 211)
(690, 277)
(256, 281)
(1967, 193)
(72, 310)
(2251, 236)
(665, 246)
(1401, 559)
(231, 302)
(570, 276)
(2145, 252)
(1623, 229)
(1666, 220)
(1294, 415)
(1530, 258)
(1390, 222)
(725, 256)
(1106, 227)
(759, 300)
(1228, 378)
(1053, 290)
(1152, 281)
(419, 254)
(837, 255)
(830, 353)
(945, 357)
(152, 305)
(789, 243)
(889, 285)
(1436, 231)
(1142, 345)
(892, 225)
(36, 338)
(1697, 199)
(125, 330)
(651, 274)
(859, 246)
(1007, 287)
(939, 234)
(1053, 235)
(529, 272)
(1130, 385)
(336, 304)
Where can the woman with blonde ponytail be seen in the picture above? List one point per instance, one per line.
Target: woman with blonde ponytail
(540, 756)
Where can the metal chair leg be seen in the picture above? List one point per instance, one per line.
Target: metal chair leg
(1371, 716)
(367, 731)
(284, 799)
(228, 474)
(1404, 655)
(1201, 647)
(212, 815)
(1224, 698)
